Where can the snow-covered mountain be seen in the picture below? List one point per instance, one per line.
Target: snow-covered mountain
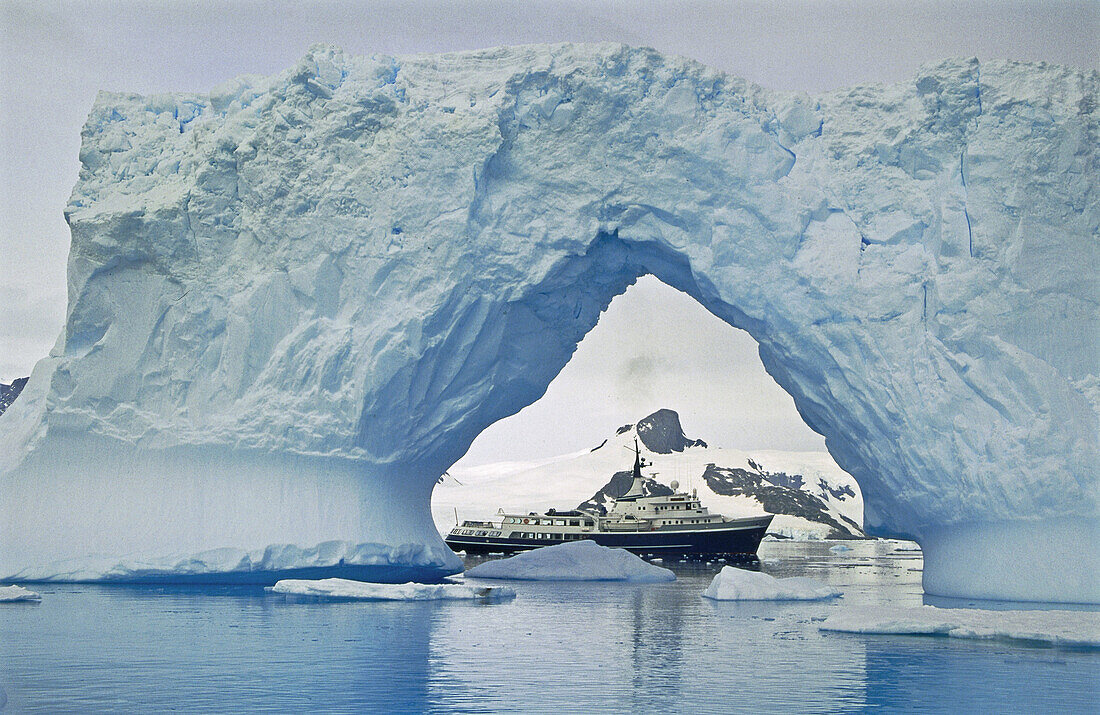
(814, 497)
(8, 393)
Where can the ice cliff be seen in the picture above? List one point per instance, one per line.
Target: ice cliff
(295, 301)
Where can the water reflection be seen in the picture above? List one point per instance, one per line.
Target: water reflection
(935, 675)
(558, 647)
(148, 649)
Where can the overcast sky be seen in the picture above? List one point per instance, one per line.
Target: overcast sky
(54, 57)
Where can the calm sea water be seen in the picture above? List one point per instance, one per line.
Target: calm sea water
(557, 648)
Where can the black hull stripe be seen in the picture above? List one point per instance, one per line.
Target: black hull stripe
(726, 541)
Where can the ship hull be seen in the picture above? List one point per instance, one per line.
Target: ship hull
(742, 539)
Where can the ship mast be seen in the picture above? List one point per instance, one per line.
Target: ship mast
(637, 486)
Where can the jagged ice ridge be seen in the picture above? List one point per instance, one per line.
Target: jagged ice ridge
(295, 301)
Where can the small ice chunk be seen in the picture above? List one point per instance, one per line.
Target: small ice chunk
(734, 584)
(839, 549)
(907, 546)
(1078, 629)
(346, 589)
(14, 594)
(583, 560)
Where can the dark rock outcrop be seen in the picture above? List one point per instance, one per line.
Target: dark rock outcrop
(778, 498)
(661, 432)
(8, 393)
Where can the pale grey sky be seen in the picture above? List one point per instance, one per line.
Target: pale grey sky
(54, 57)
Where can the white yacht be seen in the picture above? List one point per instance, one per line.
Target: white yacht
(675, 525)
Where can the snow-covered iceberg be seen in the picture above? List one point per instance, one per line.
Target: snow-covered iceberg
(734, 584)
(1079, 629)
(346, 590)
(573, 561)
(296, 300)
(17, 594)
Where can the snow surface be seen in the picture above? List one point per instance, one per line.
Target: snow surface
(573, 561)
(296, 300)
(1055, 628)
(14, 594)
(734, 584)
(344, 589)
(565, 481)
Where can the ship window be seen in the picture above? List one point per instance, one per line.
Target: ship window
(559, 522)
(574, 522)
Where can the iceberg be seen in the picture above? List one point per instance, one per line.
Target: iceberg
(294, 301)
(1075, 629)
(17, 594)
(345, 590)
(734, 584)
(573, 561)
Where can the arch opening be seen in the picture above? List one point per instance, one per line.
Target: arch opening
(656, 357)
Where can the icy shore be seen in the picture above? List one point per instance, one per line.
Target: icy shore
(368, 562)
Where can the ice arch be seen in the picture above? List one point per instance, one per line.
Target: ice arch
(295, 301)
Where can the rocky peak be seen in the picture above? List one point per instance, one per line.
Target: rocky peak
(661, 432)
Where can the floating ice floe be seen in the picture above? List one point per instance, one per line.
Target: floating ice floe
(1080, 629)
(573, 561)
(15, 594)
(839, 549)
(734, 584)
(907, 546)
(345, 589)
